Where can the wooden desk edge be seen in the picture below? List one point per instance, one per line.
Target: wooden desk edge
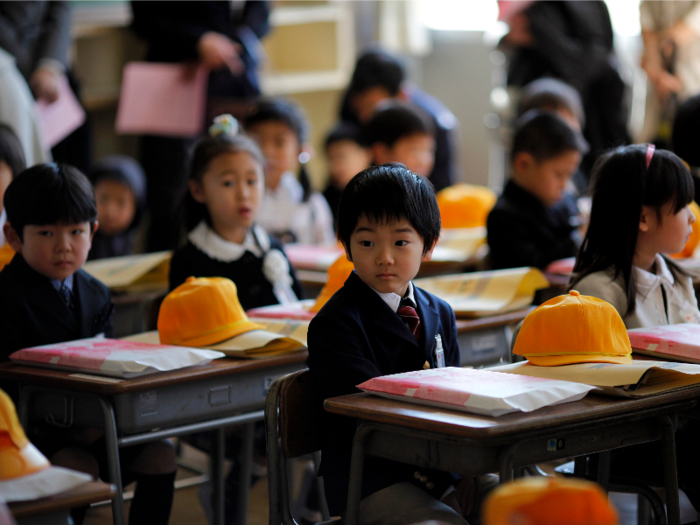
(494, 321)
(90, 492)
(29, 375)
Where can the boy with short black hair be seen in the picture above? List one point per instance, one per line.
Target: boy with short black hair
(379, 323)
(379, 77)
(534, 222)
(46, 298)
(401, 132)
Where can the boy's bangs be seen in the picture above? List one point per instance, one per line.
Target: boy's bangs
(62, 207)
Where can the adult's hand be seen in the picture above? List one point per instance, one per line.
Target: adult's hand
(44, 84)
(217, 51)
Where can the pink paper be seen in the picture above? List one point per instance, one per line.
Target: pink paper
(60, 118)
(295, 311)
(479, 391)
(162, 99)
(312, 257)
(562, 266)
(681, 341)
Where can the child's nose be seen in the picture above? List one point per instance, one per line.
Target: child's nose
(691, 218)
(384, 256)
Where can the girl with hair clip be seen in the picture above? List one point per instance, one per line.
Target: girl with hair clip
(639, 215)
(291, 209)
(219, 211)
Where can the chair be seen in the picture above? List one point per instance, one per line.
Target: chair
(293, 412)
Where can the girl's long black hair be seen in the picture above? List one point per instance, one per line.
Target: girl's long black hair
(289, 114)
(622, 184)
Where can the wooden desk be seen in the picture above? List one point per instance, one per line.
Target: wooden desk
(55, 510)
(486, 340)
(470, 444)
(222, 393)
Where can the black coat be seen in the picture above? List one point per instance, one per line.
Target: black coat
(32, 313)
(254, 290)
(356, 337)
(522, 231)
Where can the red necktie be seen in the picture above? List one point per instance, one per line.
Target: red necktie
(410, 317)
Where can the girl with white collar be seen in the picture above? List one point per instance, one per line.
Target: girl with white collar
(225, 189)
(639, 215)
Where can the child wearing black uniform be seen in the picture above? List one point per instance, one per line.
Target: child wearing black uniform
(379, 323)
(225, 190)
(46, 298)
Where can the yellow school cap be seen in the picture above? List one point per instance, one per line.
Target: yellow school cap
(694, 238)
(572, 329)
(465, 205)
(338, 273)
(6, 255)
(548, 501)
(18, 457)
(202, 311)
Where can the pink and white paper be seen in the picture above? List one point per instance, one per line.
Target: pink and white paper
(478, 391)
(114, 357)
(298, 311)
(60, 118)
(677, 342)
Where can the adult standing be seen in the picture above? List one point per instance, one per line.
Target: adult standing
(37, 35)
(572, 41)
(221, 35)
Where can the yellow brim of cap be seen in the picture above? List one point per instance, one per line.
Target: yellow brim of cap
(572, 359)
(217, 336)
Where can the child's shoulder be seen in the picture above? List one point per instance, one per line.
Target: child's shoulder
(92, 283)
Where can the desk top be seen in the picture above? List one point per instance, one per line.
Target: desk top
(493, 321)
(85, 494)
(111, 386)
(592, 408)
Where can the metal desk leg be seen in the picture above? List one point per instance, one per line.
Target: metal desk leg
(505, 463)
(603, 476)
(668, 447)
(356, 465)
(216, 459)
(118, 514)
(246, 458)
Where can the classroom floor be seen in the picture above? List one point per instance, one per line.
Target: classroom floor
(188, 511)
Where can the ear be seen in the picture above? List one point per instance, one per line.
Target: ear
(523, 162)
(429, 254)
(380, 153)
(347, 250)
(94, 229)
(646, 219)
(196, 190)
(12, 238)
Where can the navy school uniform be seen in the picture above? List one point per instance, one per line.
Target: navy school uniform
(32, 312)
(356, 336)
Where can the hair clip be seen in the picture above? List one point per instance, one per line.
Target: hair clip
(224, 125)
(650, 153)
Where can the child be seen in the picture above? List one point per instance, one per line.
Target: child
(225, 192)
(533, 221)
(402, 133)
(11, 164)
(290, 209)
(347, 156)
(551, 94)
(639, 214)
(379, 323)
(46, 298)
(120, 194)
(380, 77)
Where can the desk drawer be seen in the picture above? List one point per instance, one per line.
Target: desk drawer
(484, 347)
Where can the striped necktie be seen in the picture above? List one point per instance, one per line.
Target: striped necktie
(409, 316)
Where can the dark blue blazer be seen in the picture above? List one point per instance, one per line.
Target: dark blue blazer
(32, 313)
(355, 337)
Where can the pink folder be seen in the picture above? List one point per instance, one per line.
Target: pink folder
(162, 99)
(60, 118)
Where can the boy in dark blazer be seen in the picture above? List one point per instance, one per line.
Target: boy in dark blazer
(46, 298)
(379, 324)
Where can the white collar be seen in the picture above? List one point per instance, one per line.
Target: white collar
(3, 220)
(289, 188)
(216, 247)
(647, 281)
(393, 299)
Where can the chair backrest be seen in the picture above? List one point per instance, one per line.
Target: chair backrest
(301, 413)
